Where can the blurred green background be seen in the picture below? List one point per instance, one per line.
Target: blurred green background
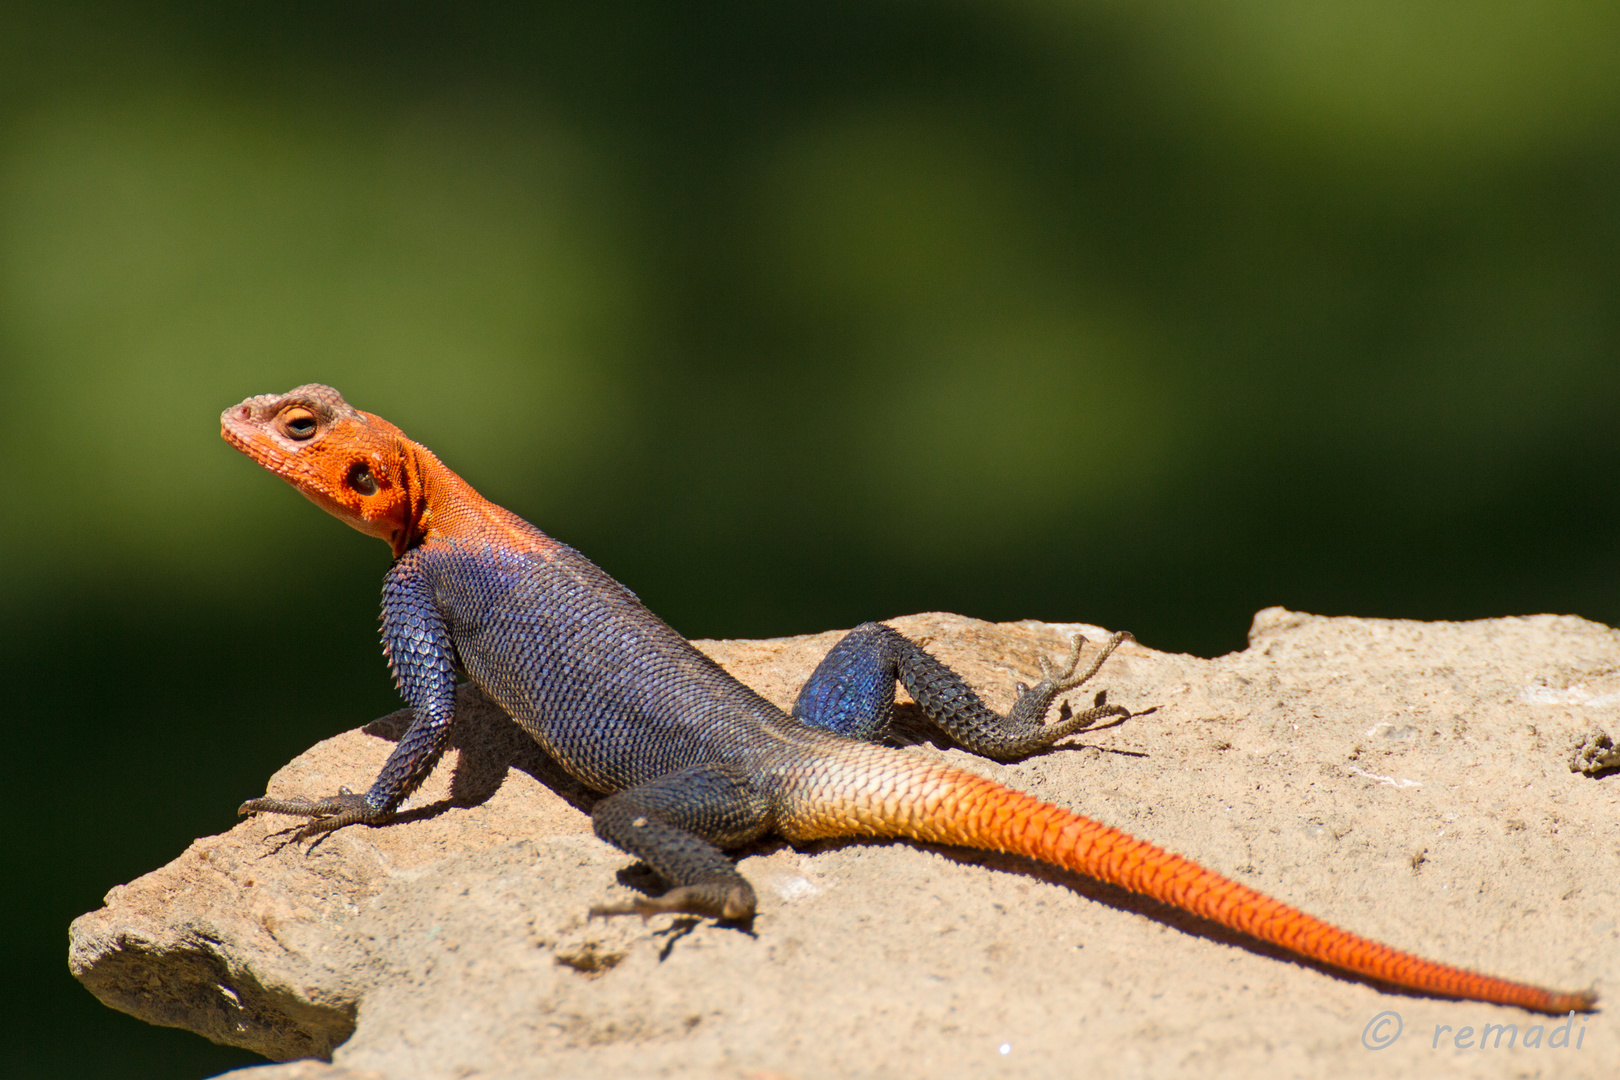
(1146, 314)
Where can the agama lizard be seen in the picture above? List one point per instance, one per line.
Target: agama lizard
(692, 762)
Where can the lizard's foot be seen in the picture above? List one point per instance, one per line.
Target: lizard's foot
(730, 903)
(1029, 711)
(333, 812)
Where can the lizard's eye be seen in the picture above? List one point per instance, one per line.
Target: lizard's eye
(298, 422)
(361, 480)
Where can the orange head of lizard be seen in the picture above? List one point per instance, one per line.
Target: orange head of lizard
(356, 466)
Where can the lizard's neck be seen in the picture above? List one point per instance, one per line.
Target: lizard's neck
(438, 503)
(439, 506)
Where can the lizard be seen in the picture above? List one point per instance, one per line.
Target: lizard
(691, 763)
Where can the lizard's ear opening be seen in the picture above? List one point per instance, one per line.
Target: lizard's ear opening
(360, 479)
(297, 422)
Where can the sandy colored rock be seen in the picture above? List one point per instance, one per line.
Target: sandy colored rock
(1408, 781)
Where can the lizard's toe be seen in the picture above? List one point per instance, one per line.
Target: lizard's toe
(732, 903)
(333, 812)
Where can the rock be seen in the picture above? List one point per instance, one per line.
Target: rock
(1405, 780)
(1595, 754)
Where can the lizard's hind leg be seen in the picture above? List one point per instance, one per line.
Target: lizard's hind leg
(851, 692)
(677, 825)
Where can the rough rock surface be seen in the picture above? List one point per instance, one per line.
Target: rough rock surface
(1409, 781)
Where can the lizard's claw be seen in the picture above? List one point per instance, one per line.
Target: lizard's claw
(333, 812)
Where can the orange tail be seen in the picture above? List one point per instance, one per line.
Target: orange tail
(926, 801)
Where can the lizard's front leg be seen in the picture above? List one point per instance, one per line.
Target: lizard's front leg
(423, 661)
